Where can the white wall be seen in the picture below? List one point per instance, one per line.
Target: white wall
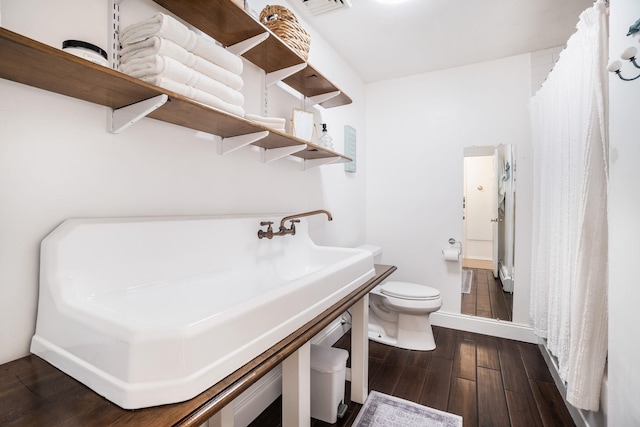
(416, 130)
(624, 225)
(57, 161)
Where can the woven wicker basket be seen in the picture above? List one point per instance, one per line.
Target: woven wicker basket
(283, 23)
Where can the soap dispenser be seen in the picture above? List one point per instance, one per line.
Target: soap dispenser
(325, 138)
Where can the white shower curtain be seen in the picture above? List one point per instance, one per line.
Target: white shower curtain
(569, 264)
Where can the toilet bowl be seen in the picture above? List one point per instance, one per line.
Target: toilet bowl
(399, 312)
(399, 315)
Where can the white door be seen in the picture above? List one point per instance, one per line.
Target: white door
(479, 193)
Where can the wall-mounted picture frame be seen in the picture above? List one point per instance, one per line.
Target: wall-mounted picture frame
(302, 124)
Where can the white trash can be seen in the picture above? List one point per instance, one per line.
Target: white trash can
(328, 366)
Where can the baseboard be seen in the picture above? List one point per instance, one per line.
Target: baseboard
(333, 332)
(257, 398)
(580, 417)
(260, 395)
(481, 325)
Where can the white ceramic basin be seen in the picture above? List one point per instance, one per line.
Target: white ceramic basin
(156, 310)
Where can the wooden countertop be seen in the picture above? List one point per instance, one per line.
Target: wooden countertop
(34, 393)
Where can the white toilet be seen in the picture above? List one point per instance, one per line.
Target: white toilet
(399, 312)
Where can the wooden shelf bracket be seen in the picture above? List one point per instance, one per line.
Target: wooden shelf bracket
(314, 100)
(276, 76)
(233, 143)
(122, 118)
(248, 44)
(272, 154)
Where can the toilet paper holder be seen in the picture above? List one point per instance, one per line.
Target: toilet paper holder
(452, 242)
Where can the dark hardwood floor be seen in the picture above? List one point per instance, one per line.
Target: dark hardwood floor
(487, 299)
(490, 382)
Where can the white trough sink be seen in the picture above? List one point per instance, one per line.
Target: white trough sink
(150, 311)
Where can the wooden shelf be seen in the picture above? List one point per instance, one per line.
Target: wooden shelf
(35, 393)
(35, 64)
(311, 83)
(228, 23)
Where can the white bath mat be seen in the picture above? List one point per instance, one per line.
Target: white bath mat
(382, 410)
(467, 278)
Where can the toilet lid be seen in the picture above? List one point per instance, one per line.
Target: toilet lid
(412, 291)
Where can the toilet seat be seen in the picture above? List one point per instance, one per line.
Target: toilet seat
(409, 291)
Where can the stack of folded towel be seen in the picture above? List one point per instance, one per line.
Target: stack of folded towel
(275, 123)
(162, 51)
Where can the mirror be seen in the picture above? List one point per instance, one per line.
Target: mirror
(488, 232)
(302, 124)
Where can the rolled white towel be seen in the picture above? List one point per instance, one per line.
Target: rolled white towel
(266, 120)
(165, 26)
(158, 65)
(157, 25)
(275, 123)
(195, 94)
(158, 46)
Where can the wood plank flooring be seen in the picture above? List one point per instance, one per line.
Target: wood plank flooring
(487, 299)
(490, 382)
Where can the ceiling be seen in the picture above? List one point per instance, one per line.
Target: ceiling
(384, 41)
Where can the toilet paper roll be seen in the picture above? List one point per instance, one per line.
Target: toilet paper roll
(451, 255)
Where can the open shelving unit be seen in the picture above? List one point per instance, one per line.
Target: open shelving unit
(38, 65)
(228, 23)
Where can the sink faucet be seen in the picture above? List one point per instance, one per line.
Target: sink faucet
(302, 215)
(269, 233)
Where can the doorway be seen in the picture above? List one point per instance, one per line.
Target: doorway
(479, 235)
(488, 231)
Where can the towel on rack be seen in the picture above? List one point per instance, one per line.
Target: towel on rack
(158, 46)
(158, 65)
(502, 191)
(263, 119)
(194, 94)
(165, 26)
(275, 123)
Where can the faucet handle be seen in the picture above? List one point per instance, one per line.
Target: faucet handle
(269, 233)
(293, 223)
(293, 226)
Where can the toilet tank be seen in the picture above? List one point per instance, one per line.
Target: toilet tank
(375, 250)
